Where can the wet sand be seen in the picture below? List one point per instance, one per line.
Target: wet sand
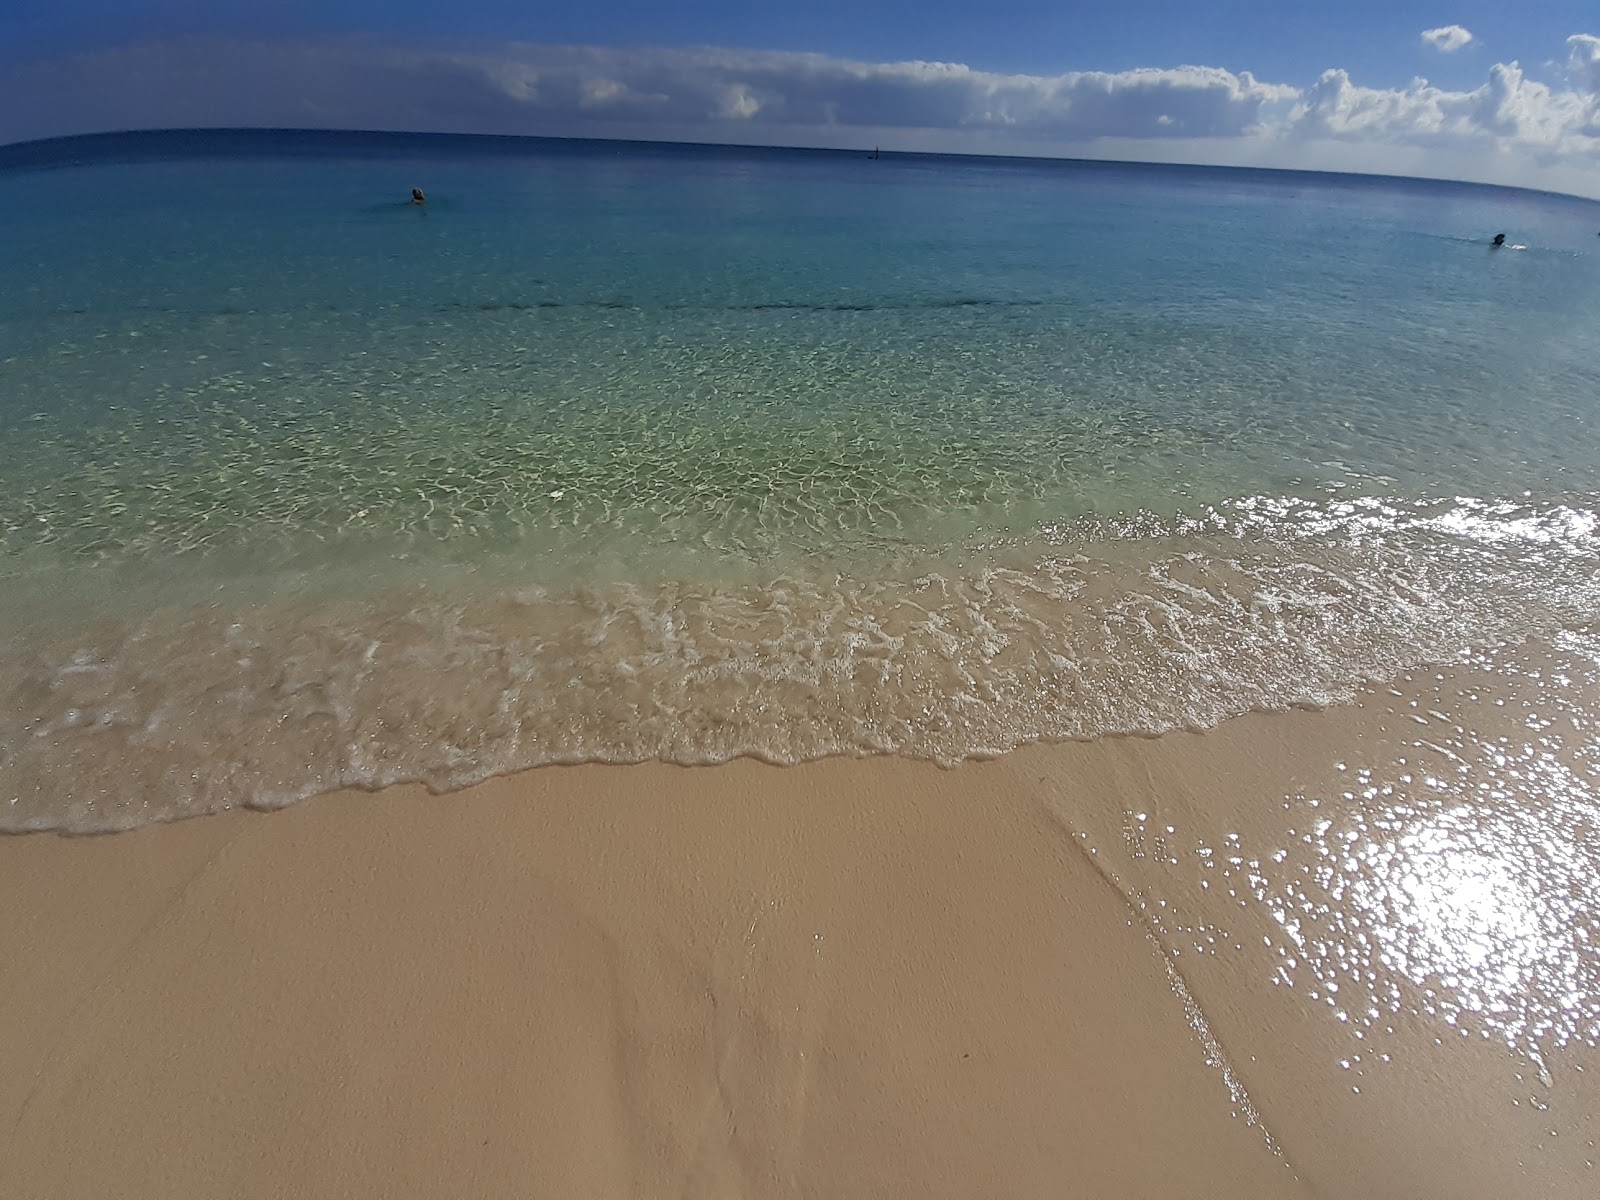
(1094, 969)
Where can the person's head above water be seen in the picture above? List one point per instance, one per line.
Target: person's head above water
(418, 198)
(1499, 239)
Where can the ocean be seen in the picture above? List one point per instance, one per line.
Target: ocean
(618, 452)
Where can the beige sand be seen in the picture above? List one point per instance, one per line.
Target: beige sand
(853, 978)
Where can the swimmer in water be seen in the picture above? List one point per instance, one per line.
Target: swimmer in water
(1499, 238)
(418, 198)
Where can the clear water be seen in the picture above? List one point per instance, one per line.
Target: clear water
(617, 452)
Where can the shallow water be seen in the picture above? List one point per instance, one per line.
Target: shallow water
(613, 453)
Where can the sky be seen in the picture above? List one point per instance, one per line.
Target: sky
(1467, 89)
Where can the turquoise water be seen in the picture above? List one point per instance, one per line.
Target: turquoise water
(617, 452)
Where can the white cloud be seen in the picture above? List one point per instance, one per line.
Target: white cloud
(1498, 132)
(1447, 39)
(738, 102)
(1583, 61)
(1508, 111)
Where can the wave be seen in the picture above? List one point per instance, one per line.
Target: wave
(1139, 628)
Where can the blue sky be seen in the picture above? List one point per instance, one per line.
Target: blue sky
(1512, 93)
(1375, 40)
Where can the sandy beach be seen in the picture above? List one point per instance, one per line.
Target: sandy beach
(725, 670)
(1035, 976)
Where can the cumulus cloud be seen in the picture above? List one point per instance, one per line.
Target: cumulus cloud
(1583, 61)
(1447, 39)
(1508, 110)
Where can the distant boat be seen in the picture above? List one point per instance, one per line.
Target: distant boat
(874, 153)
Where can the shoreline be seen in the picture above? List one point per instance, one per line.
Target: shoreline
(847, 977)
(350, 528)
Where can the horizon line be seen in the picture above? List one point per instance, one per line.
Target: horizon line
(13, 155)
